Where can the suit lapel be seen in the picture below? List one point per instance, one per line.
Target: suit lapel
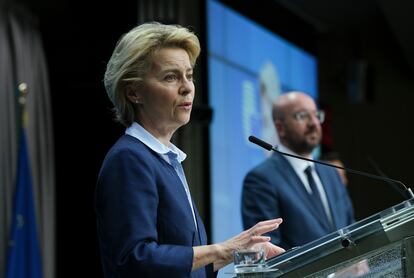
(330, 196)
(297, 185)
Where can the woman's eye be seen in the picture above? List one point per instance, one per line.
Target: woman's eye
(190, 77)
(170, 77)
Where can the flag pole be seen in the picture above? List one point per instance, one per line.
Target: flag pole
(23, 91)
(24, 255)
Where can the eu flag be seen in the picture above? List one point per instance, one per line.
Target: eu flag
(24, 257)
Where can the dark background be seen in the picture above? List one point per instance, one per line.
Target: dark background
(79, 37)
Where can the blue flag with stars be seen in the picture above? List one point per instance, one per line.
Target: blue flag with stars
(24, 257)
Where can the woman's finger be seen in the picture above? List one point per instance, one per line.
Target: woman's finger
(265, 226)
(268, 222)
(258, 239)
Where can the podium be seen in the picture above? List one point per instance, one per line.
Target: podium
(381, 245)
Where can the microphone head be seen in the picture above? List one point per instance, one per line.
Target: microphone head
(261, 143)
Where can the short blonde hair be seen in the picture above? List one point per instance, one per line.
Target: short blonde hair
(132, 59)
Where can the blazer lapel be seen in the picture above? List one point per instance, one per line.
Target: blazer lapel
(180, 192)
(201, 232)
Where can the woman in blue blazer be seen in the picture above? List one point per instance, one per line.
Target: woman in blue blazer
(148, 225)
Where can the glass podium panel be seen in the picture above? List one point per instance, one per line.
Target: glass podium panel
(385, 262)
(376, 246)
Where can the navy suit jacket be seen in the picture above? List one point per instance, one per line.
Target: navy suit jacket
(273, 189)
(145, 224)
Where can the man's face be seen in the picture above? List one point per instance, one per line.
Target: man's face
(300, 129)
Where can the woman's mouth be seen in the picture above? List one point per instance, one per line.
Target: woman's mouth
(186, 105)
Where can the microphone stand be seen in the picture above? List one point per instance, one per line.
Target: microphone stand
(406, 193)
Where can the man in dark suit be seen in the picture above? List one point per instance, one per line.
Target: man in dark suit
(309, 197)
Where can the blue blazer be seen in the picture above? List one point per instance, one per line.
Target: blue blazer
(145, 224)
(273, 189)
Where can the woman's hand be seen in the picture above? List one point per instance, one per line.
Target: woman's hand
(247, 240)
(221, 254)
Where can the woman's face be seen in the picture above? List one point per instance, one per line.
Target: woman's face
(167, 93)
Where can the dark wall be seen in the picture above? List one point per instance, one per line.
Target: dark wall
(78, 39)
(372, 133)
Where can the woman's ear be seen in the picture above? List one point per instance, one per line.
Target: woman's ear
(132, 94)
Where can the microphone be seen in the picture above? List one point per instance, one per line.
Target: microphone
(404, 191)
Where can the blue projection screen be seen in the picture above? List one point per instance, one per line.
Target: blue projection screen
(249, 67)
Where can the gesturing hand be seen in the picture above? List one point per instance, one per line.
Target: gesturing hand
(252, 236)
